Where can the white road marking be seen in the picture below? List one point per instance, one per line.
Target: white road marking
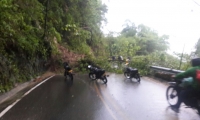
(10, 106)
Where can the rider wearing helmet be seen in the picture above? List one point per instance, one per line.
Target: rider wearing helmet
(192, 90)
(66, 67)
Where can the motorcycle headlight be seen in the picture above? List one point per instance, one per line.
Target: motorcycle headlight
(89, 66)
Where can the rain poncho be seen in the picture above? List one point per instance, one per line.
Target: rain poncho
(192, 72)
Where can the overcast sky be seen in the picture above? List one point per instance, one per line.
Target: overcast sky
(180, 19)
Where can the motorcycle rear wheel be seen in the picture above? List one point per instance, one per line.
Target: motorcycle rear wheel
(69, 77)
(104, 79)
(172, 95)
(137, 77)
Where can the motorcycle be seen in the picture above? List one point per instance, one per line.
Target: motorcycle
(172, 94)
(68, 72)
(69, 75)
(96, 73)
(130, 73)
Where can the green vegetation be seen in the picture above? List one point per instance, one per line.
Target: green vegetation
(145, 48)
(31, 32)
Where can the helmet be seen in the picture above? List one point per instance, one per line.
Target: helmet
(65, 64)
(195, 62)
(120, 58)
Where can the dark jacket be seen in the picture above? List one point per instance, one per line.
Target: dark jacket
(191, 72)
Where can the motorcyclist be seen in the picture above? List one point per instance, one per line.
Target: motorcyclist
(127, 62)
(67, 68)
(192, 90)
(120, 58)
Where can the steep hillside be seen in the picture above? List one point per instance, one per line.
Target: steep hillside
(28, 33)
(64, 55)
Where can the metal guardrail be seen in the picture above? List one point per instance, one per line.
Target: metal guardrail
(169, 70)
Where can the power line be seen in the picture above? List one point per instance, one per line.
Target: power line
(196, 3)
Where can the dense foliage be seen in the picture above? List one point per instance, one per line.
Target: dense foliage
(31, 30)
(145, 48)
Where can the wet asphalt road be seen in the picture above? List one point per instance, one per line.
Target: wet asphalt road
(120, 99)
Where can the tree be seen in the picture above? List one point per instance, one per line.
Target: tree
(31, 30)
(130, 29)
(150, 41)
